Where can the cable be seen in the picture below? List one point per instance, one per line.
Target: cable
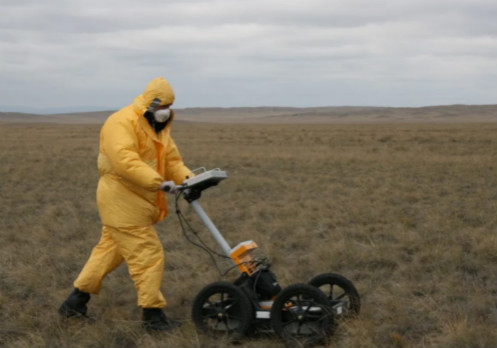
(257, 280)
(203, 246)
(183, 221)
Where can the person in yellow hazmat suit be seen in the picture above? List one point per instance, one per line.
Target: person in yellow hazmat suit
(137, 161)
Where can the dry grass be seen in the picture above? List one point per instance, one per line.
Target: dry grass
(407, 212)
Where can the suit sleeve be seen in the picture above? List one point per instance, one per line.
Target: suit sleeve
(120, 143)
(175, 168)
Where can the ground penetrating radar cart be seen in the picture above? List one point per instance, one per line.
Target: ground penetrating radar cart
(301, 314)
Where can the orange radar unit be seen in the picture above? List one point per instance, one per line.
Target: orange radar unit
(241, 256)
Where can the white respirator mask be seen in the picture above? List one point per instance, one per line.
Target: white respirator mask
(162, 115)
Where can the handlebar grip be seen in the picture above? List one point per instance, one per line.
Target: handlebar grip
(173, 188)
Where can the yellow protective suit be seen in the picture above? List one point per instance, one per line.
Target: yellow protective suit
(132, 162)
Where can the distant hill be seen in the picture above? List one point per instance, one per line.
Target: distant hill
(96, 117)
(342, 114)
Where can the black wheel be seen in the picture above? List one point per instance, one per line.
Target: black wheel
(302, 316)
(222, 309)
(341, 293)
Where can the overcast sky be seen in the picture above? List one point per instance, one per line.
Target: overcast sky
(97, 54)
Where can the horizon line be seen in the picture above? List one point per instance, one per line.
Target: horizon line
(57, 111)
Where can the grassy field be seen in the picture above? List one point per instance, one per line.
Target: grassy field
(406, 211)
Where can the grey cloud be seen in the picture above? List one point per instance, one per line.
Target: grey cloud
(228, 53)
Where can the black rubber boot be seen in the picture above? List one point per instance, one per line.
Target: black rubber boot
(75, 304)
(154, 319)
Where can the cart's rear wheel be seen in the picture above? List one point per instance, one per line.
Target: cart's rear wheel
(341, 293)
(222, 309)
(301, 315)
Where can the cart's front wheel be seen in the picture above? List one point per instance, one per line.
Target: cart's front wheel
(341, 293)
(301, 315)
(222, 309)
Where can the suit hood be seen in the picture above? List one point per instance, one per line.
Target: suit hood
(159, 89)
